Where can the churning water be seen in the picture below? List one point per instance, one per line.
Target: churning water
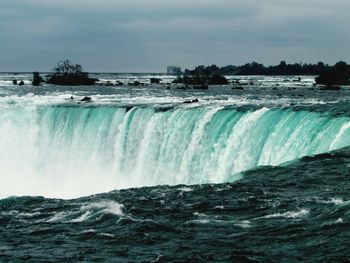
(226, 179)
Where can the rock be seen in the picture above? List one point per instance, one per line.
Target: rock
(71, 97)
(86, 99)
(21, 83)
(191, 101)
(155, 80)
(37, 79)
(178, 80)
(109, 83)
(217, 79)
(202, 80)
(134, 83)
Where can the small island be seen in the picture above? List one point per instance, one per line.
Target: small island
(66, 73)
(331, 77)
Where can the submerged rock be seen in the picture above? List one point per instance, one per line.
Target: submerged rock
(191, 101)
(155, 80)
(109, 83)
(86, 99)
(134, 83)
(202, 80)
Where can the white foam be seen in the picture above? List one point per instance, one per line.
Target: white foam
(336, 222)
(335, 201)
(29, 215)
(243, 224)
(339, 221)
(185, 189)
(82, 218)
(106, 235)
(290, 214)
(106, 207)
(88, 231)
(58, 217)
(88, 211)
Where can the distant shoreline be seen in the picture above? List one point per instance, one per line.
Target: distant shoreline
(248, 69)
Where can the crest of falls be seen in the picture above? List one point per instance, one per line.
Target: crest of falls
(60, 151)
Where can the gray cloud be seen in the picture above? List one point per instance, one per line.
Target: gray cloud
(148, 35)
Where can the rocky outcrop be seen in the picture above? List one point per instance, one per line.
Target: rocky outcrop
(37, 79)
(202, 80)
(155, 80)
(86, 99)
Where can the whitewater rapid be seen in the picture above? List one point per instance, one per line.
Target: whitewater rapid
(69, 151)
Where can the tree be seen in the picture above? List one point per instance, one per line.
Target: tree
(339, 74)
(66, 68)
(66, 73)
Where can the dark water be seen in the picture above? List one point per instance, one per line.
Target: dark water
(295, 213)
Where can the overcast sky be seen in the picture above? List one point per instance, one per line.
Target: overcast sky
(148, 35)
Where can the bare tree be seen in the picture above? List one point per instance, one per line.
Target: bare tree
(67, 73)
(67, 68)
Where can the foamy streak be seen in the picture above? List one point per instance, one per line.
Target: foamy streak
(74, 151)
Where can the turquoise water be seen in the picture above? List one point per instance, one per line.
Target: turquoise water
(119, 147)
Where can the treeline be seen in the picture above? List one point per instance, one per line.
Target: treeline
(255, 68)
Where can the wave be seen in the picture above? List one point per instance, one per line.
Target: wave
(75, 151)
